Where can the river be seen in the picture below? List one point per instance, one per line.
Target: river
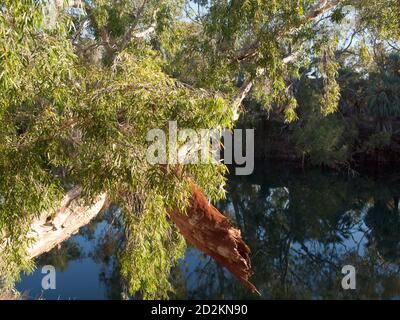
(302, 227)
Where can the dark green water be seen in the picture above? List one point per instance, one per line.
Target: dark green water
(302, 229)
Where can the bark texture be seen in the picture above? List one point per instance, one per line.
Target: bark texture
(212, 233)
(49, 233)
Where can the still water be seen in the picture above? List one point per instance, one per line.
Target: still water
(302, 227)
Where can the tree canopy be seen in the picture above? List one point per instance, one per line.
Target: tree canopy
(82, 82)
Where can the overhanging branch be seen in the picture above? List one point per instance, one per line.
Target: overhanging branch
(250, 52)
(248, 85)
(49, 233)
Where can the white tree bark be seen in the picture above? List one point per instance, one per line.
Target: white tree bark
(49, 233)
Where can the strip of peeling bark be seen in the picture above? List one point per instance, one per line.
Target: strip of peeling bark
(212, 233)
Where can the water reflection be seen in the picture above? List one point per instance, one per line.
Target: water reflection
(302, 229)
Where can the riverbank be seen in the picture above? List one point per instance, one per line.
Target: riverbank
(363, 152)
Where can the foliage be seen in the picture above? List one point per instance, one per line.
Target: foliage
(325, 140)
(150, 252)
(65, 121)
(82, 82)
(229, 41)
(383, 97)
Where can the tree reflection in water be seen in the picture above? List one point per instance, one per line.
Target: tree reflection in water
(302, 229)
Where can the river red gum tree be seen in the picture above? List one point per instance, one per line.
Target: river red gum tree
(81, 86)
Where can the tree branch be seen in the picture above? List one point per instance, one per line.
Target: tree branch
(144, 33)
(322, 7)
(129, 34)
(251, 51)
(248, 85)
(102, 32)
(49, 233)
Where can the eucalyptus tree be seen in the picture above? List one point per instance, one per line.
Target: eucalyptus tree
(66, 121)
(82, 82)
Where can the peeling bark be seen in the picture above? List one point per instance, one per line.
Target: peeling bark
(202, 225)
(66, 222)
(212, 233)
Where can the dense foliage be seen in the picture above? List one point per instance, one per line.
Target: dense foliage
(65, 121)
(82, 82)
(353, 79)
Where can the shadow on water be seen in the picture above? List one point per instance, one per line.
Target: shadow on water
(302, 229)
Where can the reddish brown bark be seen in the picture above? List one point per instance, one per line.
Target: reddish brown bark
(212, 233)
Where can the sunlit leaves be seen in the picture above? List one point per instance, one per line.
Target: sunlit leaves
(328, 69)
(65, 121)
(152, 247)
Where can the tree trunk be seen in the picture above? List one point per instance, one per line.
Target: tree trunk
(66, 222)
